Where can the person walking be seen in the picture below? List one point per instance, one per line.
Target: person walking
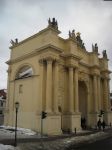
(99, 124)
(103, 125)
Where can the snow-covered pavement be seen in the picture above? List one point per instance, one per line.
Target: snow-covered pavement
(8, 132)
(8, 147)
(59, 144)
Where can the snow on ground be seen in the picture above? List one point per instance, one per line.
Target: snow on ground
(62, 144)
(20, 130)
(8, 132)
(90, 137)
(8, 147)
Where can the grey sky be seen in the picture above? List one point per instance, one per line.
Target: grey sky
(22, 18)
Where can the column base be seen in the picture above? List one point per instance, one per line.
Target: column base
(108, 117)
(71, 122)
(92, 119)
(52, 124)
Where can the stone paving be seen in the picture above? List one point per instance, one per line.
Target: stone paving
(63, 144)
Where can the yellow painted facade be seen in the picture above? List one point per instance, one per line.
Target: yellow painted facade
(60, 77)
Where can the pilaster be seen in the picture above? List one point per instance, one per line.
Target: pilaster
(41, 84)
(105, 93)
(56, 81)
(95, 93)
(99, 93)
(76, 90)
(71, 102)
(49, 86)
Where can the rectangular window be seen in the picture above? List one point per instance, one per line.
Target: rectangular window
(20, 88)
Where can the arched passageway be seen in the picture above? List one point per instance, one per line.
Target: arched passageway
(83, 99)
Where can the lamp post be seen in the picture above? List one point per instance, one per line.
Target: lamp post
(16, 107)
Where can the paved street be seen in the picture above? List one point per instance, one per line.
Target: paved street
(105, 144)
(95, 144)
(84, 140)
(70, 143)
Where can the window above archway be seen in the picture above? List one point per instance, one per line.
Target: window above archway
(24, 72)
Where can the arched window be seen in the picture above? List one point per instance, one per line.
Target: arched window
(24, 72)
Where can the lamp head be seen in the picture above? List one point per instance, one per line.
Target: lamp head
(16, 105)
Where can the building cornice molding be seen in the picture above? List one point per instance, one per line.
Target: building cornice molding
(95, 67)
(68, 56)
(48, 47)
(106, 71)
(35, 35)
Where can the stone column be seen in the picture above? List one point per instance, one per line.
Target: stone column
(49, 86)
(88, 98)
(76, 90)
(99, 93)
(108, 85)
(56, 81)
(95, 93)
(105, 92)
(71, 102)
(41, 85)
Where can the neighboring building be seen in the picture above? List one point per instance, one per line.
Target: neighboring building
(60, 77)
(2, 105)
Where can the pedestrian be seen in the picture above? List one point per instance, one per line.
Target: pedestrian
(103, 125)
(99, 124)
(83, 123)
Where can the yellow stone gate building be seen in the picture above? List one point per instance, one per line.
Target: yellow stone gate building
(60, 77)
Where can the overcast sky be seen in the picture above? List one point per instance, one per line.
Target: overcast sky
(23, 18)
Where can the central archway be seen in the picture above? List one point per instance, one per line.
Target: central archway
(82, 99)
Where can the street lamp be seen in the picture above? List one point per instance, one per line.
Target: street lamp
(16, 107)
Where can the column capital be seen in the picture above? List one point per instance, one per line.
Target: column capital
(49, 60)
(41, 61)
(71, 68)
(57, 62)
(76, 69)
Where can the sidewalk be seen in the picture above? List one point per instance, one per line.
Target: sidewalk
(64, 143)
(58, 142)
(7, 136)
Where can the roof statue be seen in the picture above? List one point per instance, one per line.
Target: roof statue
(104, 54)
(79, 40)
(72, 34)
(14, 42)
(95, 48)
(53, 23)
(92, 47)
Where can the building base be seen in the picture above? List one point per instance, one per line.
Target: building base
(92, 119)
(52, 124)
(71, 122)
(108, 117)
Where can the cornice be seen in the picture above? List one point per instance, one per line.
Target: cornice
(71, 56)
(36, 52)
(35, 35)
(95, 66)
(106, 71)
(105, 59)
(84, 64)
